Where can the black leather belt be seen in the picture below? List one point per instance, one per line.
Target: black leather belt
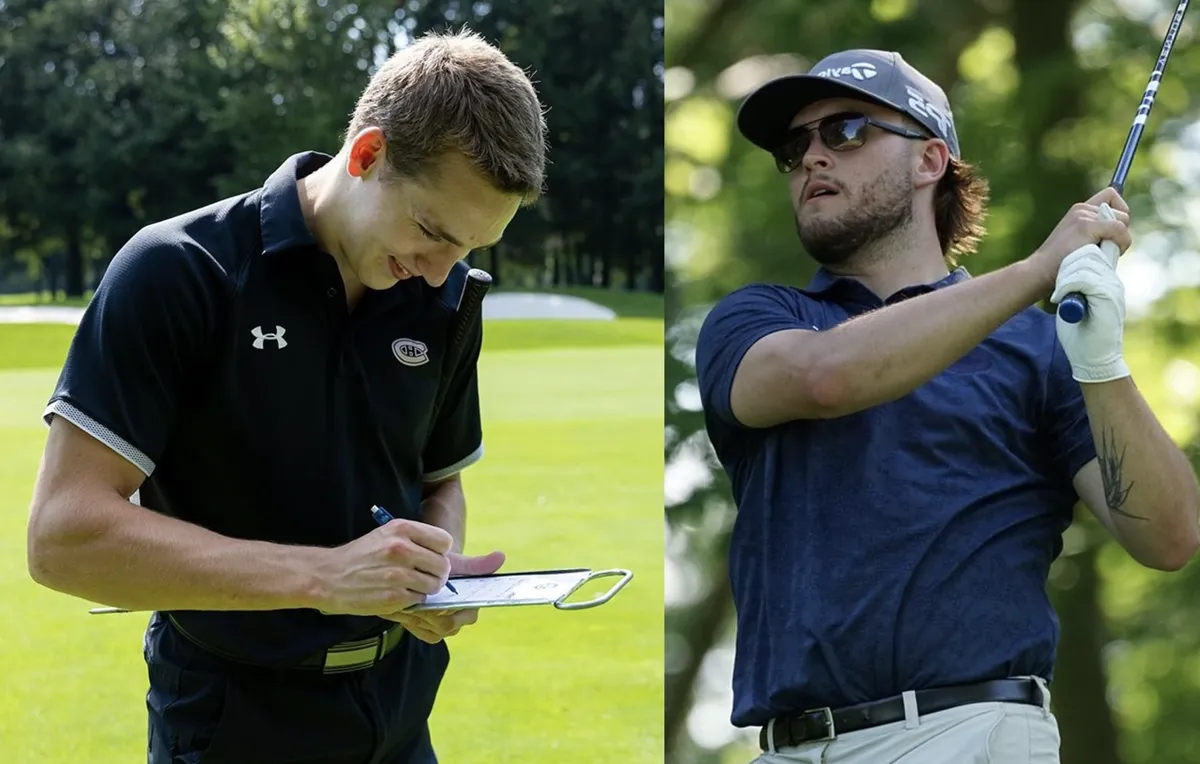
(826, 723)
(339, 659)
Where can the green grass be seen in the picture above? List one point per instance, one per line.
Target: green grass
(34, 346)
(530, 335)
(572, 476)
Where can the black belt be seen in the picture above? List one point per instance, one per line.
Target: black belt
(826, 723)
(339, 659)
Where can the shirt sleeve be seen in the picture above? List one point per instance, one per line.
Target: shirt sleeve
(1066, 421)
(732, 327)
(456, 438)
(138, 344)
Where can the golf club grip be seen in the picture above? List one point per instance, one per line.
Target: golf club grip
(469, 305)
(1073, 307)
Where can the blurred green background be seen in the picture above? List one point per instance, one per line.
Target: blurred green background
(1044, 92)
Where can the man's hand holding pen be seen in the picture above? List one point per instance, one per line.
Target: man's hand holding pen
(433, 626)
(396, 566)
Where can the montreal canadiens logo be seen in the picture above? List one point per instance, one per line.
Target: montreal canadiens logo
(410, 352)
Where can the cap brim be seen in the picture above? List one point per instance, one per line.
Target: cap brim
(764, 117)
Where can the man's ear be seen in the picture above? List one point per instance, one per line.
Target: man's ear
(931, 163)
(366, 152)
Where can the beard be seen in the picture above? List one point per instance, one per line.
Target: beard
(880, 209)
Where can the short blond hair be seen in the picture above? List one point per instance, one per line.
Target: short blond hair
(453, 92)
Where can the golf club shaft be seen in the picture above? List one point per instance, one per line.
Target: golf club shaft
(1073, 307)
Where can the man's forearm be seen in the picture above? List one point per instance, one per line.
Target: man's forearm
(443, 504)
(1149, 486)
(126, 556)
(888, 353)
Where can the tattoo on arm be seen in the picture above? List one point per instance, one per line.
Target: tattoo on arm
(1111, 474)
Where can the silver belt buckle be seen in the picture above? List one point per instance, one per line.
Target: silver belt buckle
(830, 732)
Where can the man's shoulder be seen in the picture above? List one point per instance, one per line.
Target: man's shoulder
(757, 295)
(750, 305)
(214, 240)
(764, 291)
(211, 228)
(190, 261)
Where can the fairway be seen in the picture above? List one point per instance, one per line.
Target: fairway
(571, 477)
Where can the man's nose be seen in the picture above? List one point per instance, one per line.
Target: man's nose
(436, 270)
(817, 157)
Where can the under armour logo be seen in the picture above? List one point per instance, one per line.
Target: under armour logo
(276, 337)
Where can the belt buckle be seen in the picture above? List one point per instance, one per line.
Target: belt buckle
(353, 656)
(830, 732)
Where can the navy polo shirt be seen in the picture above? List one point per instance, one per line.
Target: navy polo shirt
(902, 547)
(218, 356)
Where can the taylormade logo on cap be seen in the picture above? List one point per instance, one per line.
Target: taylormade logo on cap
(859, 71)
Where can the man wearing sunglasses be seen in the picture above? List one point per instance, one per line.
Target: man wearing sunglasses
(906, 442)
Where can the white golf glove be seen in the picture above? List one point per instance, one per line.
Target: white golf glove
(1093, 346)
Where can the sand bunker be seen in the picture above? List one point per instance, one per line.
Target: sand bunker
(525, 305)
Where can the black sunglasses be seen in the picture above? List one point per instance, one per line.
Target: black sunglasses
(839, 132)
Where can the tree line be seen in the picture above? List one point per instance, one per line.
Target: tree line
(117, 113)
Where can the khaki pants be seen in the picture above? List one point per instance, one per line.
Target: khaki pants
(980, 733)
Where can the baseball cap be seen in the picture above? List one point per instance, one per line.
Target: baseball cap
(879, 76)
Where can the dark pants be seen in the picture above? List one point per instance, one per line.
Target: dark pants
(206, 710)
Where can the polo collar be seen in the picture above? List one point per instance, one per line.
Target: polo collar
(280, 217)
(827, 283)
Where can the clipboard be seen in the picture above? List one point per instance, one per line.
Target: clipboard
(535, 587)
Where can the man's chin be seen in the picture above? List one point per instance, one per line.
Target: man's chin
(828, 257)
(825, 247)
(381, 282)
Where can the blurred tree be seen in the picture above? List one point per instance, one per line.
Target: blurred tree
(104, 129)
(114, 113)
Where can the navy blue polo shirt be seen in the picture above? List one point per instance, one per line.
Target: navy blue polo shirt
(218, 355)
(902, 547)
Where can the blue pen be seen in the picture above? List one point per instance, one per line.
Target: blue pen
(382, 517)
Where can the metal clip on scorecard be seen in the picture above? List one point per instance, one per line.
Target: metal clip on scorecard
(541, 587)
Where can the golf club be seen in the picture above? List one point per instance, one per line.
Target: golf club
(469, 305)
(1073, 307)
